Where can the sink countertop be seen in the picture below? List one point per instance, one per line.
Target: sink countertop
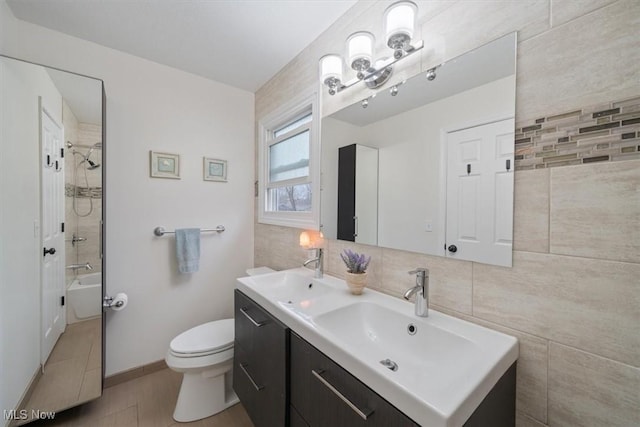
(445, 370)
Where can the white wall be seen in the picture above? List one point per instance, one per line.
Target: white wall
(154, 107)
(20, 251)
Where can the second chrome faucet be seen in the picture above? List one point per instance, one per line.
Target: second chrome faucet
(421, 290)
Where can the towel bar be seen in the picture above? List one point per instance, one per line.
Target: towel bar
(160, 231)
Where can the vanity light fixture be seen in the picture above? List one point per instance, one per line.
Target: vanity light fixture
(399, 22)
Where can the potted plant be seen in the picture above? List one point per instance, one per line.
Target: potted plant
(356, 270)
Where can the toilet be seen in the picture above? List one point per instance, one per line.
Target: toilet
(204, 355)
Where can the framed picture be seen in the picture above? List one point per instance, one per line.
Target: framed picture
(164, 165)
(215, 170)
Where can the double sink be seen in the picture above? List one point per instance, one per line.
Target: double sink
(436, 370)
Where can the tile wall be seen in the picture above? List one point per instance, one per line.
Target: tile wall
(572, 297)
(599, 133)
(82, 226)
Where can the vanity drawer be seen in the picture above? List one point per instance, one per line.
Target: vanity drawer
(326, 395)
(252, 323)
(260, 363)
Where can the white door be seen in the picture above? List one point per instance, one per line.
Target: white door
(480, 193)
(52, 214)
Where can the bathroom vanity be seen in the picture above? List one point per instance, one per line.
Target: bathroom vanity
(307, 353)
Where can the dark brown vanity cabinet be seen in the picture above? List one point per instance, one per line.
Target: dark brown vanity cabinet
(260, 363)
(323, 394)
(283, 381)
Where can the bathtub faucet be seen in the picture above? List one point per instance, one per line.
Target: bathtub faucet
(86, 266)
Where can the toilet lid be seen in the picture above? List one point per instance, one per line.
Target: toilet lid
(207, 338)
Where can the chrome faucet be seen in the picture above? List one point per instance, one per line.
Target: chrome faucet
(319, 260)
(421, 289)
(86, 266)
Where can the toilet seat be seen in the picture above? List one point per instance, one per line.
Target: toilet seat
(204, 340)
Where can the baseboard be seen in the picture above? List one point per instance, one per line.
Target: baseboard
(134, 373)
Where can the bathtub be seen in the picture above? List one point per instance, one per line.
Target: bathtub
(84, 297)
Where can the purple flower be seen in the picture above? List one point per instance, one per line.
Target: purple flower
(356, 263)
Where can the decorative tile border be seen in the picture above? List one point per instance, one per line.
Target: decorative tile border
(600, 133)
(83, 192)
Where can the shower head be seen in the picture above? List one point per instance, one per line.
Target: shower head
(92, 165)
(85, 157)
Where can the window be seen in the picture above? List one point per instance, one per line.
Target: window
(288, 165)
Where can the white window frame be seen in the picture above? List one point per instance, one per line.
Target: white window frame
(266, 128)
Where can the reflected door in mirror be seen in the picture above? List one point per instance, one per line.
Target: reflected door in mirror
(480, 193)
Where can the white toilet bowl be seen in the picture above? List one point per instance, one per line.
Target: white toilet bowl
(204, 354)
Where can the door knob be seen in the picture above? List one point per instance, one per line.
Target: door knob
(453, 249)
(49, 251)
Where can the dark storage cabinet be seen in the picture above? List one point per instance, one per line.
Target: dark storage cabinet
(260, 363)
(324, 394)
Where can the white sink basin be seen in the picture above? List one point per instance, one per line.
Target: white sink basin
(444, 369)
(415, 346)
(290, 287)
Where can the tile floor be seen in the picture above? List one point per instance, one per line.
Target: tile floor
(73, 371)
(147, 401)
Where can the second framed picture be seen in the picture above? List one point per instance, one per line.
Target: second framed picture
(215, 170)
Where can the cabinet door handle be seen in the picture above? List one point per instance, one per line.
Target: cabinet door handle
(327, 384)
(355, 226)
(253, 383)
(258, 324)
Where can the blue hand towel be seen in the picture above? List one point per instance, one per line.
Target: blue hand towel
(188, 249)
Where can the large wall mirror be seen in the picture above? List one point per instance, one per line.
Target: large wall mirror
(427, 165)
(51, 262)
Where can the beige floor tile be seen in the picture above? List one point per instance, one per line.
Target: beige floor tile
(239, 416)
(66, 380)
(125, 418)
(145, 401)
(59, 386)
(72, 344)
(157, 394)
(113, 399)
(91, 387)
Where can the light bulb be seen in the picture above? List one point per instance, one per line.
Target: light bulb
(330, 67)
(399, 24)
(360, 48)
(331, 72)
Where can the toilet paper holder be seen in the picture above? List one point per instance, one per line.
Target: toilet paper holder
(108, 302)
